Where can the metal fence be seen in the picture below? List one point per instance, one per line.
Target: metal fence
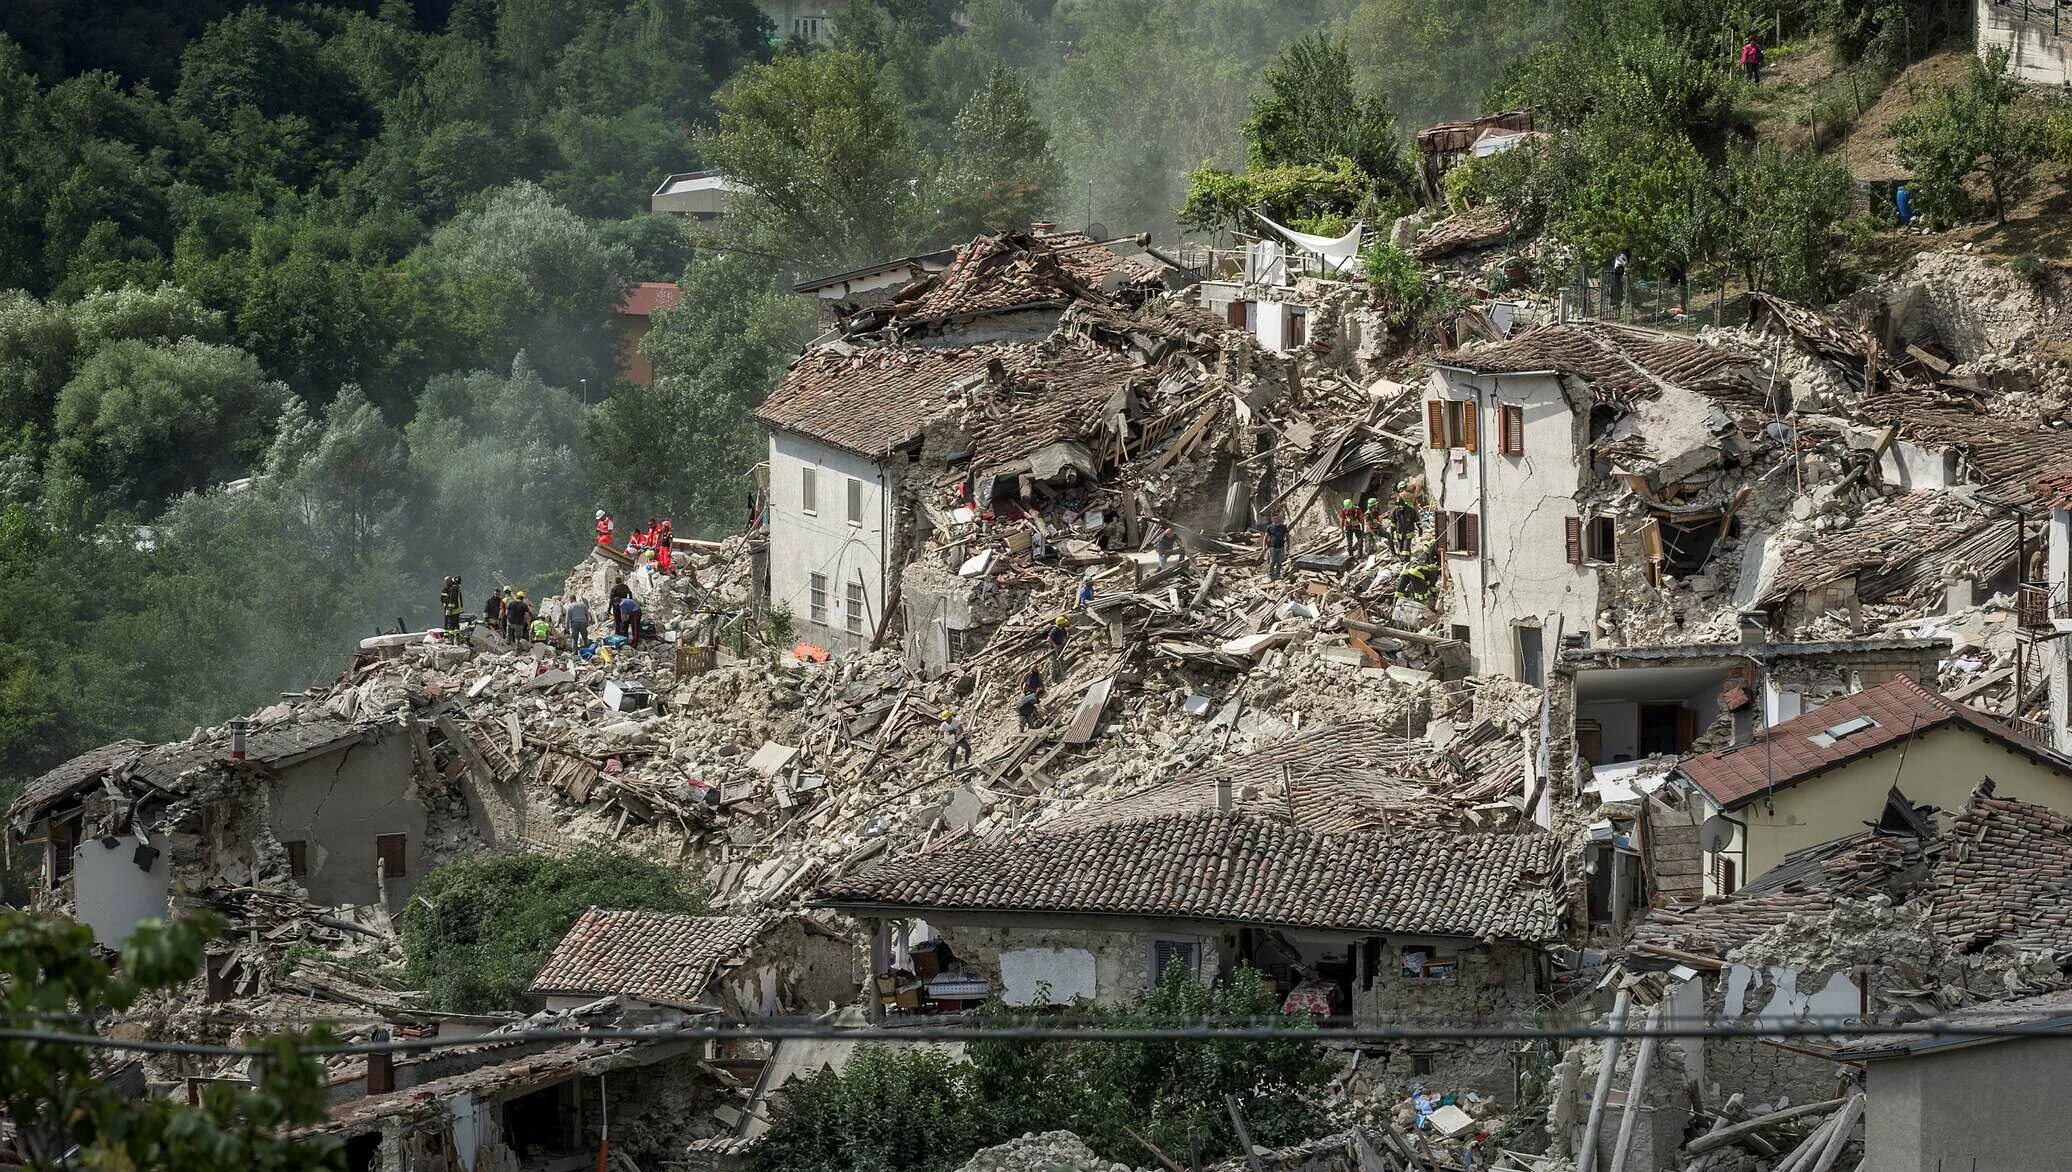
(1704, 301)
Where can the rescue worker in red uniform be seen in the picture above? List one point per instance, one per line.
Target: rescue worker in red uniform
(604, 528)
(664, 534)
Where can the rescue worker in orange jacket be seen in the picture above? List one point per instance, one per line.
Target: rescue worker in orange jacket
(604, 528)
(664, 534)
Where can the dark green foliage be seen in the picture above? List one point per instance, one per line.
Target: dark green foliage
(58, 1101)
(1165, 1091)
(477, 930)
(1978, 134)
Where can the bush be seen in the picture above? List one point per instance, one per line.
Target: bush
(1399, 282)
(477, 931)
(1978, 132)
(886, 1111)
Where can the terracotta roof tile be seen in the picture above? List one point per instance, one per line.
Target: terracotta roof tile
(1619, 363)
(1238, 868)
(1900, 707)
(648, 296)
(657, 956)
(1896, 548)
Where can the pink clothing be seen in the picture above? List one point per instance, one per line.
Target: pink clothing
(1750, 54)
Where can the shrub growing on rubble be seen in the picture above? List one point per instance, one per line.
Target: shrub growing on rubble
(886, 1111)
(477, 930)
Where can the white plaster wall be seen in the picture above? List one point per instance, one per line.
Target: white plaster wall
(802, 543)
(1618, 724)
(1912, 467)
(1268, 321)
(2034, 54)
(1521, 571)
(111, 893)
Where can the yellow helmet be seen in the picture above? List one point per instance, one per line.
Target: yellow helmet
(521, 594)
(947, 713)
(1064, 621)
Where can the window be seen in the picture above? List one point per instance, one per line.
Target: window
(855, 501)
(853, 606)
(1298, 329)
(64, 839)
(388, 848)
(1420, 1064)
(1166, 954)
(1430, 962)
(1450, 423)
(809, 491)
(816, 598)
(298, 856)
(1460, 533)
(1370, 961)
(1459, 632)
(1592, 540)
(807, 28)
(1723, 874)
(1599, 540)
(1511, 437)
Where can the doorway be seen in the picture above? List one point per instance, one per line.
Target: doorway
(1531, 669)
(1666, 728)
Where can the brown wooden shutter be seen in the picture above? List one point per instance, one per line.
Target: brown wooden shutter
(1514, 430)
(1468, 411)
(1435, 423)
(1470, 533)
(1441, 522)
(1574, 533)
(1234, 313)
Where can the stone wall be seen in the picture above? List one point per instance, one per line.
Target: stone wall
(1122, 960)
(1763, 1072)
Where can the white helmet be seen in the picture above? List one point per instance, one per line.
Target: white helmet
(600, 514)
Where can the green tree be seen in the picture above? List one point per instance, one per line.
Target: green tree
(477, 930)
(686, 446)
(911, 1110)
(1785, 218)
(1980, 130)
(140, 422)
(1435, 59)
(830, 164)
(999, 173)
(67, 1115)
(1311, 111)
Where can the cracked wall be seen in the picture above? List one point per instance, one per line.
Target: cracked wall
(339, 804)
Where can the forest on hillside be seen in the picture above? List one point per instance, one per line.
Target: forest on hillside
(305, 305)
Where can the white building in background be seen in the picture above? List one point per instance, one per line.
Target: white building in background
(812, 21)
(701, 195)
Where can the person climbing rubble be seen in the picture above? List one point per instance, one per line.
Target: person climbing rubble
(449, 605)
(954, 739)
(628, 621)
(604, 528)
(1276, 547)
(577, 616)
(1085, 598)
(1374, 525)
(1403, 514)
(493, 610)
(619, 592)
(542, 631)
(1349, 526)
(1032, 695)
(1416, 580)
(1056, 636)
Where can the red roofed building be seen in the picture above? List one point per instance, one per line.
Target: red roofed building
(1826, 774)
(635, 316)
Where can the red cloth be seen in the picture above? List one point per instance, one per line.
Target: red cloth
(604, 531)
(1750, 54)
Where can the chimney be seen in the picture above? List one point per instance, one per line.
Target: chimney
(1223, 794)
(381, 1068)
(238, 729)
(1755, 628)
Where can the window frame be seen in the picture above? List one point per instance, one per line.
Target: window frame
(854, 501)
(402, 841)
(809, 491)
(1510, 429)
(816, 598)
(852, 607)
(1608, 555)
(298, 856)
(1191, 948)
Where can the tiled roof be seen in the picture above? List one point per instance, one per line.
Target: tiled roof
(994, 274)
(1896, 548)
(871, 401)
(164, 765)
(1804, 886)
(1900, 707)
(2054, 487)
(649, 296)
(2007, 877)
(2053, 1008)
(1619, 363)
(1477, 228)
(1238, 867)
(663, 957)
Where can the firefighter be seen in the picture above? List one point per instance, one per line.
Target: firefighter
(449, 605)
(1402, 519)
(1349, 523)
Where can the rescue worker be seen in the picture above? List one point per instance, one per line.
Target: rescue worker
(1349, 524)
(954, 738)
(604, 528)
(493, 610)
(577, 614)
(1032, 692)
(517, 617)
(664, 534)
(542, 630)
(449, 604)
(1056, 636)
(1276, 547)
(619, 592)
(1402, 519)
(1375, 521)
(1086, 591)
(629, 618)
(1417, 577)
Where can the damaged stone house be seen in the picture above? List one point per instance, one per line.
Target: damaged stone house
(1566, 454)
(740, 966)
(338, 808)
(1821, 775)
(1343, 916)
(1012, 381)
(1900, 919)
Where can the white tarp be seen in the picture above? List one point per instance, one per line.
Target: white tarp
(1046, 976)
(1339, 253)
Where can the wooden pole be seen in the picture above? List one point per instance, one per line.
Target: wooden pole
(1635, 1089)
(1727, 1135)
(1586, 1159)
(1839, 1138)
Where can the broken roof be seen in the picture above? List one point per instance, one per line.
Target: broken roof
(1838, 732)
(998, 274)
(2045, 1010)
(1804, 886)
(1897, 548)
(162, 766)
(1237, 867)
(2005, 878)
(664, 957)
(523, 1071)
(1620, 364)
(872, 401)
(647, 297)
(1475, 228)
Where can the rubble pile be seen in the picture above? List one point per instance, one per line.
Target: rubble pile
(1052, 1151)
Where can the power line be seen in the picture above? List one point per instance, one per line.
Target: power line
(1332, 1030)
